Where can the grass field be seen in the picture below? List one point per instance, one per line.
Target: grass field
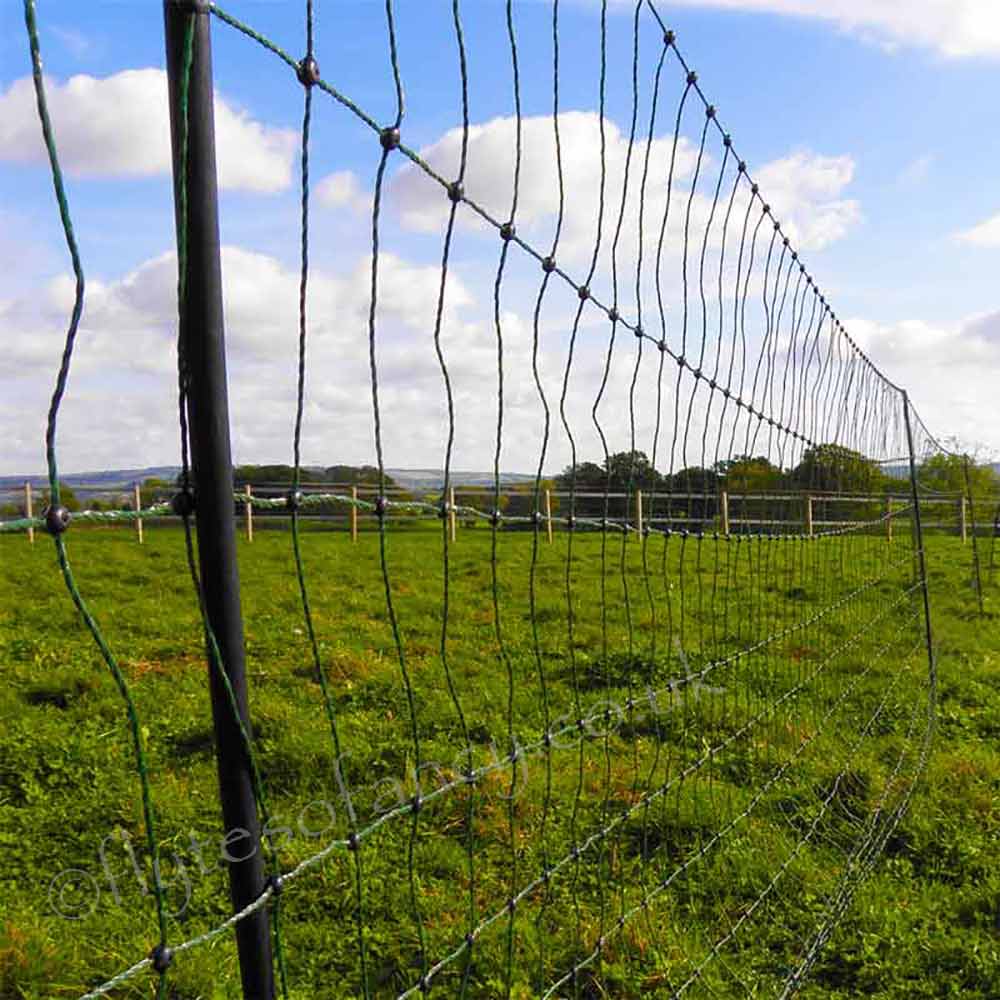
(738, 794)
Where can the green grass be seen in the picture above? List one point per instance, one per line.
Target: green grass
(755, 838)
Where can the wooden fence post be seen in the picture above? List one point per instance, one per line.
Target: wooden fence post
(962, 511)
(724, 512)
(138, 507)
(452, 519)
(249, 513)
(809, 516)
(354, 513)
(548, 514)
(28, 511)
(638, 511)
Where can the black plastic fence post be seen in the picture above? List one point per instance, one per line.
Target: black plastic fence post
(918, 542)
(201, 330)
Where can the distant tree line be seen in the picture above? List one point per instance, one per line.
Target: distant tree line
(693, 491)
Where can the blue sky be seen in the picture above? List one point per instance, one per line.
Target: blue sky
(893, 120)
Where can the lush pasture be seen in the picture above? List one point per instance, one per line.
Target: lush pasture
(746, 783)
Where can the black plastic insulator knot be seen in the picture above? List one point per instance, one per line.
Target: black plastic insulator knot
(711, 383)
(681, 361)
(613, 315)
(308, 72)
(581, 724)
(293, 499)
(389, 138)
(646, 530)
(668, 38)
(352, 841)
(786, 241)
(583, 293)
(727, 140)
(511, 905)
(604, 524)
(570, 523)
(443, 510)
(470, 940)
(274, 883)
(767, 209)
(547, 739)
(795, 255)
(161, 957)
(638, 332)
(600, 944)
(777, 226)
(182, 504)
(692, 78)
(56, 520)
(455, 192)
(710, 111)
(381, 506)
(495, 517)
(549, 265)
(661, 346)
(507, 231)
(417, 803)
(697, 374)
(742, 168)
(725, 394)
(424, 984)
(755, 189)
(537, 517)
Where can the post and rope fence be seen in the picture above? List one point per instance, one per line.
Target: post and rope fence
(137, 500)
(249, 512)
(29, 512)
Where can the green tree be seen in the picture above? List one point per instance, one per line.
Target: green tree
(832, 468)
(746, 474)
(945, 473)
(67, 497)
(153, 491)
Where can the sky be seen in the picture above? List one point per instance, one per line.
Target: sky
(870, 126)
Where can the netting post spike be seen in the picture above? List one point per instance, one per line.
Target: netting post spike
(918, 542)
(203, 339)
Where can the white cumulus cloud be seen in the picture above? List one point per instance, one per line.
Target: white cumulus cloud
(955, 28)
(342, 189)
(986, 234)
(805, 191)
(118, 126)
